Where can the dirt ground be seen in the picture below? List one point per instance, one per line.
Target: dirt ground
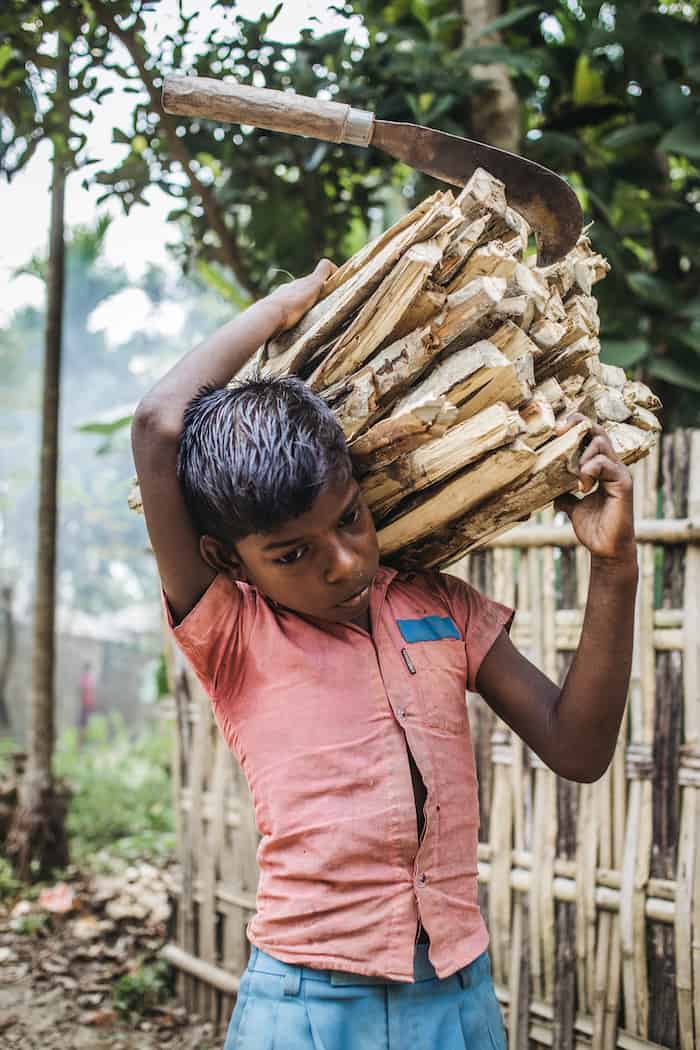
(72, 971)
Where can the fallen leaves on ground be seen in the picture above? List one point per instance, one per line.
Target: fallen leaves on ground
(62, 954)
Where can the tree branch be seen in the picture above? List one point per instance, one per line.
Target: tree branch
(228, 253)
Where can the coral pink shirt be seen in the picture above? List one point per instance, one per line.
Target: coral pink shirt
(319, 715)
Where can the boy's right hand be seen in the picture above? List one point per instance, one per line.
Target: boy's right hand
(300, 295)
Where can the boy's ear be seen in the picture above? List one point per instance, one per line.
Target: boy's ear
(219, 559)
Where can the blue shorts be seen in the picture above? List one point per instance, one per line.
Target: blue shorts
(285, 1007)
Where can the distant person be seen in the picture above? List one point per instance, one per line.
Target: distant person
(88, 684)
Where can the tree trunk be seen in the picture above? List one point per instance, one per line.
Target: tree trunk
(8, 652)
(37, 841)
(495, 113)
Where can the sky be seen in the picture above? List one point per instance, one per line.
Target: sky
(136, 240)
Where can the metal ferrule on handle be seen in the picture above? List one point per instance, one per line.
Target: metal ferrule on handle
(233, 103)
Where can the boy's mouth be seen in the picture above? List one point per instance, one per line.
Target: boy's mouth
(355, 599)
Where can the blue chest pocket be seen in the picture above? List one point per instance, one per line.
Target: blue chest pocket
(428, 629)
(438, 657)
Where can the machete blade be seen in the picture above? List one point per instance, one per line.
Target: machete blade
(543, 198)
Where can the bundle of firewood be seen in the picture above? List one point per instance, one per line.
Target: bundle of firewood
(447, 357)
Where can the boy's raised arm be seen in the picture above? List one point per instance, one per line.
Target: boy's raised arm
(574, 729)
(158, 421)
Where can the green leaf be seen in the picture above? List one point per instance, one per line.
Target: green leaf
(689, 337)
(6, 52)
(108, 422)
(624, 352)
(220, 284)
(503, 21)
(691, 311)
(653, 289)
(631, 135)
(684, 138)
(588, 82)
(672, 372)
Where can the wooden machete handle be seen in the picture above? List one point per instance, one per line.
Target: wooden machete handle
(234, 103)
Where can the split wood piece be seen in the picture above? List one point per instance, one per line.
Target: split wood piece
(356, 263)
(550, 390)
(463, 444)
(462, 243)
(637, 393)
(581, 318)
(380, 313)
(491, 260)
(547, 334)
(517, 244)
(540, 421)
(519, 309)
(455, 497)
(610, 405)
(579, 270)
(554, 308)
(613, 375)
(528, 282)
(567, 360)
(554, 471)
(630, 443)
(512, 341)
(134, 498)
(358, 400)
(644, 419)
(455, 378)
(485, 194)
(390, 438)
(582, 403)
(425, 306)
(573, 385)
(482, 193)
(324, 319)
(467, 311)
(592, 368)
(509, 381)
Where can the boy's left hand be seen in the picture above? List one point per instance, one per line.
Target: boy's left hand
(604, 520)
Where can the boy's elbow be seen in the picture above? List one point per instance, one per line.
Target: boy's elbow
(583, 774)
(152, 422)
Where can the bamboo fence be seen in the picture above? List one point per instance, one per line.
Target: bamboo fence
(591, 892)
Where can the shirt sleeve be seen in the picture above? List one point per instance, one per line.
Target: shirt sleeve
(214, 634)
(480, 620)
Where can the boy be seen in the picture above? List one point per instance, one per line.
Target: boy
(339, 685)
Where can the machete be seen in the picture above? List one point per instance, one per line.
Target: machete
(543, 198)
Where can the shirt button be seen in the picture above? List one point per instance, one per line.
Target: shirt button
(422, 879)
(401, 712)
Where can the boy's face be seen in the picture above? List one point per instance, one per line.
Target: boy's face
(321, 563)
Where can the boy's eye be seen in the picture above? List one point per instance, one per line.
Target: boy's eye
(351, 517)
(291, 556)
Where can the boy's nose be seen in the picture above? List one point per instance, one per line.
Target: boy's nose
(342, 565)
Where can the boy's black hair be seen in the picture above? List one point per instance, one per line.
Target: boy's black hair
(255, 455)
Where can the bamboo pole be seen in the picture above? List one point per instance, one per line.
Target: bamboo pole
(647, 531)
(687, 927)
